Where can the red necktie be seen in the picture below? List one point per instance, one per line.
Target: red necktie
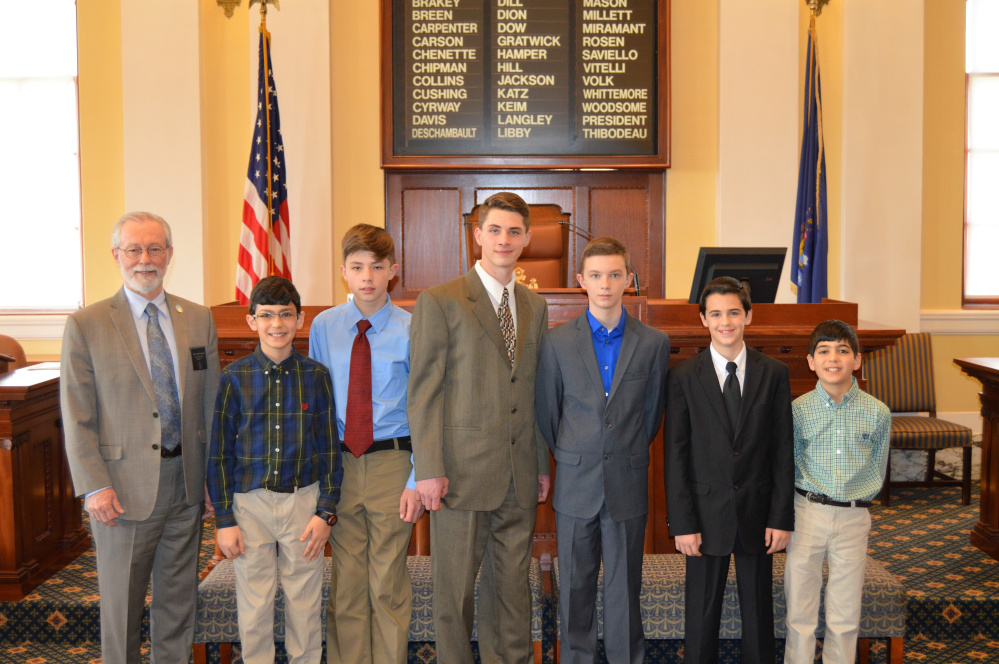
(358, 432)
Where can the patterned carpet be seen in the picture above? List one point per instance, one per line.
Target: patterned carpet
(953, 613)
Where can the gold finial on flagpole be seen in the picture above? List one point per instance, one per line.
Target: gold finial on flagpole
(816, 6)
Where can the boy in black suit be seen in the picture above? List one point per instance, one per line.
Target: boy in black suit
(729, 474)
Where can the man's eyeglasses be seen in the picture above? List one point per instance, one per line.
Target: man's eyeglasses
(286, 316)
(155, 252)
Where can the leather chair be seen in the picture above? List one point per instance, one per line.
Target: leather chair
(545, 261)
(10, 347)
(902, 377)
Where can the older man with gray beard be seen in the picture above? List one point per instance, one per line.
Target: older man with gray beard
(139, 375)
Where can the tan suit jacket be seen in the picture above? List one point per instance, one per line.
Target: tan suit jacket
(470, 416)
(110, 416)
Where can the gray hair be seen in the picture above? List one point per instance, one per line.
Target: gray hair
(140, 217)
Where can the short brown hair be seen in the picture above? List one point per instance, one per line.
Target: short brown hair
(725, 286)
(509, 201)
(365, 237)
(606, 246)
(835, 331)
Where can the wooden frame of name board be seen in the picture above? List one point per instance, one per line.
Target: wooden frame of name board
(536, 154)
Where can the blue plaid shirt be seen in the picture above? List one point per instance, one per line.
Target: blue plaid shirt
(274, 426)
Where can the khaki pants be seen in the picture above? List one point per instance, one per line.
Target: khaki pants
(266, 518)
(371, 597)
(838, 534)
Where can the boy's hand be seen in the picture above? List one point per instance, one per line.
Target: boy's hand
(316, 533)
(689, 545)
(544, 486)
(410, 506)
(777, 539)
(209, 508)
(432, 491)
(230, 541)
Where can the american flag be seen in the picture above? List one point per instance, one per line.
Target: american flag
(265, 228)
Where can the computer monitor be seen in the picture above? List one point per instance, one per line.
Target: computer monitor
(759, 268)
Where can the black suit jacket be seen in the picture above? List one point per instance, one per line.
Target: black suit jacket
(721, 482)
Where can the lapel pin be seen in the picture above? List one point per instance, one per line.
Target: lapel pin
(180, 309)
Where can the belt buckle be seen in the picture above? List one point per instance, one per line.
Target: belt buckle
(816, 498)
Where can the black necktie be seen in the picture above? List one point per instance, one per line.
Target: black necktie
(732, 394)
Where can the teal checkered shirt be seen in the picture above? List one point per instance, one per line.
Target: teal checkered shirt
(840, 450)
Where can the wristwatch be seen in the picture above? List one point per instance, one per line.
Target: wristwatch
(328, 517)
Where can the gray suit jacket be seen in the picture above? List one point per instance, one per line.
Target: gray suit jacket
(109, 408)
(472, 417)
(601, 445)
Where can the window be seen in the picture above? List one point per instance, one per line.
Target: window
(981, 221)
(41, 269)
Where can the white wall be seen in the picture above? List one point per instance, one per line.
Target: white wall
(882, 159)
(161, 104)
(758, 126)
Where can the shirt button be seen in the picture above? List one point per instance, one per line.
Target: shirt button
(275, 472)
(277, 426)
(278, 380)
(278, 403)
(277, 449)
(839, 451)
(837, 430)
(606, 368)
(265, 373)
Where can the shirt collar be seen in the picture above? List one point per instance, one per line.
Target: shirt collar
(850, 395)
(378, 321)
(494, 287)
(720, 362)
(137, 303)
(596, 326)
(266, 362)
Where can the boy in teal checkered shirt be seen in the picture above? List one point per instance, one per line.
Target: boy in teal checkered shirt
(840, 453)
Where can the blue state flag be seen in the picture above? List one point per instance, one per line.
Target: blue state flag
(811, 243)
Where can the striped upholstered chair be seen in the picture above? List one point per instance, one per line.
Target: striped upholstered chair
(902, 377)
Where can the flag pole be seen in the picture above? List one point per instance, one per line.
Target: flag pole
(267, 101)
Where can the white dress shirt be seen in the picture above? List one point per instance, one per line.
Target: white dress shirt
(722, 373)
(495, 290)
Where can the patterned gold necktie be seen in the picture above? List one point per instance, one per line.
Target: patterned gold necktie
(506, 326)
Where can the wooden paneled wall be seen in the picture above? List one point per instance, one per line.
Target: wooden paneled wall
(424, 216)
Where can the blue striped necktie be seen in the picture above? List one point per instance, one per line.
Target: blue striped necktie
(164, 381)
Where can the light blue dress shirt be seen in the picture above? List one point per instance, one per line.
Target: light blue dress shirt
(330, 341)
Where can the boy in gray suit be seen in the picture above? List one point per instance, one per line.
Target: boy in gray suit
(600, 397)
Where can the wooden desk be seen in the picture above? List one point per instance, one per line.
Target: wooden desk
(985, 534)
(41, 526)
(779, 330)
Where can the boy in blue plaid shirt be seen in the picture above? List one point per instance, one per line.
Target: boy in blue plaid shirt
(274, 477)
(840, 453)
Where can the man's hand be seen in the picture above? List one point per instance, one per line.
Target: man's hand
(689, 545)
(209, 508)
(544, 486)
(316, 534)
(410, 506)
(432, 491)
(230, 541)
(104, 507)
(777, 539)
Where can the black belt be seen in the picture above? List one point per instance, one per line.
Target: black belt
(282, 489)
(169, 454)
(400, 443)
(826, 500)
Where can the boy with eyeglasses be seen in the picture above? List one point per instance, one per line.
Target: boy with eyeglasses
(274, 477)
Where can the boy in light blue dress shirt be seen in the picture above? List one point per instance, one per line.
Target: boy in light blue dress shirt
(840, 452)
(371, 596)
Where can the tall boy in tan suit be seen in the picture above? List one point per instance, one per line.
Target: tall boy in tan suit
(479, 467)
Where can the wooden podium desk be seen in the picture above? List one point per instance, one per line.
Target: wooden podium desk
(778, 330)
(41, 526)
(985, 534)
